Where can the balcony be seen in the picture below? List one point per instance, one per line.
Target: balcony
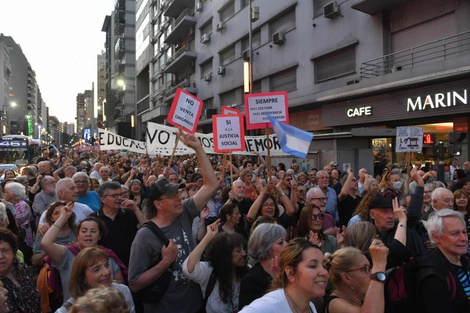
(184, 27)
(186, 84)
(437, 51)
(182, 59)
(373, 6)
(174, 7)
(142, 105)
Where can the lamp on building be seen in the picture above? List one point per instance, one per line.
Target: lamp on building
(133, 118)
(4, 118)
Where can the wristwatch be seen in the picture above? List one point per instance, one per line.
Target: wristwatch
(379, 276)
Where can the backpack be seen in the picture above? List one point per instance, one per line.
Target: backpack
(401, 287)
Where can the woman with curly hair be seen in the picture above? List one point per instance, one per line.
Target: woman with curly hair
(362, 211)
(219, 276)
(101, 300)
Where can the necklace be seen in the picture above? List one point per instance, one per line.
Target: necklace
(291, 301)
(353, 301)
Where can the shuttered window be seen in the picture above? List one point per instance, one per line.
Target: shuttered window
(228, 98)
(255, 41)
(206, 67)
(227, 11)
(338, 63)
(227, 55)
(256, 87)
(318, 7)
(282, 23)
(284, 81)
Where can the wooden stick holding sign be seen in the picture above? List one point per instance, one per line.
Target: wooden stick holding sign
(174, 148)
(231, 170)
(268, 155)
(224, 164)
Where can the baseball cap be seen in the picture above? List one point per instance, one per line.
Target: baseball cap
(333, 163)
(164, 187)
(381, 202)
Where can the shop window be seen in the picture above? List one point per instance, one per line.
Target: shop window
(284, 81)
(336, 64)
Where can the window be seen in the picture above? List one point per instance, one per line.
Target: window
(206, 67)
(338, 63)
(284, 81)
(283, 23)
(227, 55)
(318, 7)
(230, 97)
(206, 28)
(227, 11)
(256, 41)
(256, 86)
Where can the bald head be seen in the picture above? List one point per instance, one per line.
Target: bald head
(442, 198)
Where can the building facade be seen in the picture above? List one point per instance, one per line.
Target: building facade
(354, 70)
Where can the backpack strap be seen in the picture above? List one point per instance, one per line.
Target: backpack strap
(157, 232)
(451, 286)
(210, 287)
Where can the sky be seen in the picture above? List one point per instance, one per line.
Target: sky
(61, 40)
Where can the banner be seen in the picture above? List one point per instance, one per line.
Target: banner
(161, 140)
(110, 141)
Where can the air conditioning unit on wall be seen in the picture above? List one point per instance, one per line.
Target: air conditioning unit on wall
(331, 10)
(206, 38)
(221, 70)
(207, 77)
(278, 38)
(199, 6)
(220, 26)
(246, 54)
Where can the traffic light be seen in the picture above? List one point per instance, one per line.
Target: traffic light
(457, 137)
(454, 149)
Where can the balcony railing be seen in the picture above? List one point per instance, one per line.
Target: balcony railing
(439, 50)
(186, 12)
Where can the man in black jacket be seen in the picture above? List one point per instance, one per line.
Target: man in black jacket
(448, 289)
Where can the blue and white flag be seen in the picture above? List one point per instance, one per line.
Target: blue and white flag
(293, 140)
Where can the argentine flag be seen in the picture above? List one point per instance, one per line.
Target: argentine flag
(293, 140)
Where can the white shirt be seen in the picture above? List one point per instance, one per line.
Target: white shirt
(81, 212)
(272, 302)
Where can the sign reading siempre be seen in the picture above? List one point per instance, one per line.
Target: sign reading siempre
(258, 105)
(409, 139)
(185, 111)
(228, 133)
(110, 141)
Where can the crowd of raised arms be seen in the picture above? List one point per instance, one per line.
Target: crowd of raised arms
(121, 232)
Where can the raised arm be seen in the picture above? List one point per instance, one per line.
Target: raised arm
(195, 256)
(345, 189)
(211, 184)
(52, 249)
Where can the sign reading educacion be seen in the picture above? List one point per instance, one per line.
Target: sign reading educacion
(185, 111)
(259, 104)
(228, 132)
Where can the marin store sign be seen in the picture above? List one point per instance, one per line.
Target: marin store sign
(429, 101)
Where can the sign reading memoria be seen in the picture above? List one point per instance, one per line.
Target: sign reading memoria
(409, 139)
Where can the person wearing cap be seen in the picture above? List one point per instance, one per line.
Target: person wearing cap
(401, 238)
(174, 218)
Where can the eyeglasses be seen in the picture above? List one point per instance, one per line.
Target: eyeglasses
(322, 199)
(301, 190)
(117, 195)
(269, 205)
(365, 269)
(172, 197)
(317, 217)
(78, 182)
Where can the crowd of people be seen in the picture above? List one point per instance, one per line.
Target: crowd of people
(100, 232)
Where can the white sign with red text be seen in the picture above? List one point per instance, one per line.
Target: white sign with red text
(229, 134)
(257, 105)
(185, 111)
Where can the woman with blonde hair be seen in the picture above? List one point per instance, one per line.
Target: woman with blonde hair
(101, 300)
(360, 235)
(359, 287)
(301, 278)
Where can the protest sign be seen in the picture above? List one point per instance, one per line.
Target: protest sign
(259, 104)
(185, 111)
(229, 110)
(161, 140)
(110, 141)
(228, 131)
(409, 139)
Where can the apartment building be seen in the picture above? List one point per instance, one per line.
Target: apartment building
(354, 70)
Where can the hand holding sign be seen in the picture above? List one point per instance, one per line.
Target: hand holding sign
(189, 140)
